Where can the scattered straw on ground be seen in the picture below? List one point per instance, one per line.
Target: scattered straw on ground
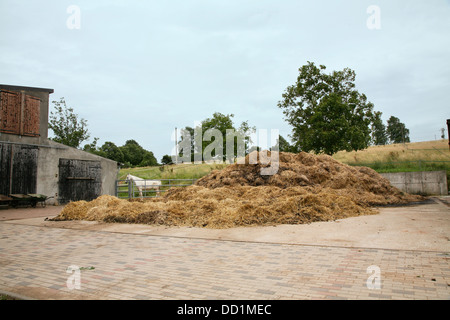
(305, 189)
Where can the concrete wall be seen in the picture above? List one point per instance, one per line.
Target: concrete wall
(422, 182)
(48, 170)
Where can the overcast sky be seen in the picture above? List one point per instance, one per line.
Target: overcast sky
(138, 69)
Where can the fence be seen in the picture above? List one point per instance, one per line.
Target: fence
(126, 189)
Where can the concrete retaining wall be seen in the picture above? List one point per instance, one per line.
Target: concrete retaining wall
(422, 182)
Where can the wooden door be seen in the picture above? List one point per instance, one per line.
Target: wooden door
(18, 168)
(79, 180)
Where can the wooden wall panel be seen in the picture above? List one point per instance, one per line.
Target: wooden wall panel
(19, 113)
(10, 112)
(31, 116)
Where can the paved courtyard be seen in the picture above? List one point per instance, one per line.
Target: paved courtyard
(42, 262)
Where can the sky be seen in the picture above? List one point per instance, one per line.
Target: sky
(137, 69)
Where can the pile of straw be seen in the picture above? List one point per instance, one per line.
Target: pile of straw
(305, 189)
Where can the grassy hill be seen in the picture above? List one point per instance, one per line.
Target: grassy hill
(416, 156)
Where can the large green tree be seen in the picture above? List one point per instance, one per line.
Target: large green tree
(135, 155)
(222, 123)
(131, 154)
(67, 127)
(397, 131)
(326, 112)
(166, 159)
(379, 135)
(111, 151)
(201, 142)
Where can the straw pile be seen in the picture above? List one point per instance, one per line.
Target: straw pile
(306, 188)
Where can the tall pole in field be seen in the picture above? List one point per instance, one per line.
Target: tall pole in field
(176, 146)
(448, 132)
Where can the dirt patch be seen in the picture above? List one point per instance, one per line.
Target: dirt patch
(306, 188)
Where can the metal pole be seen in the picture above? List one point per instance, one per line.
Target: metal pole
(403, 135)
(176, 146)
(448, 132)
(130, 187)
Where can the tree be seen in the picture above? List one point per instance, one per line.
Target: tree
(397, 131)
(148, 160)
(244, 132)
(108, 150)
(379, 135)
(189, 133)
(166, 159)
(283, 145)
(111, 151)
(135, 155)
(66, 126)
(223, 125)
(92, 147)
(325, 111)
(132, 152)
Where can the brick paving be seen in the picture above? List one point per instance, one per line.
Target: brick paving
(34, 262)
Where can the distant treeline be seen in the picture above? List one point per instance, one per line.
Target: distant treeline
(131, 154)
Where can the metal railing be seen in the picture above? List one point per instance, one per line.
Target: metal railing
(126, 189)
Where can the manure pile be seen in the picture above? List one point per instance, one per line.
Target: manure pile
(305, 189)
